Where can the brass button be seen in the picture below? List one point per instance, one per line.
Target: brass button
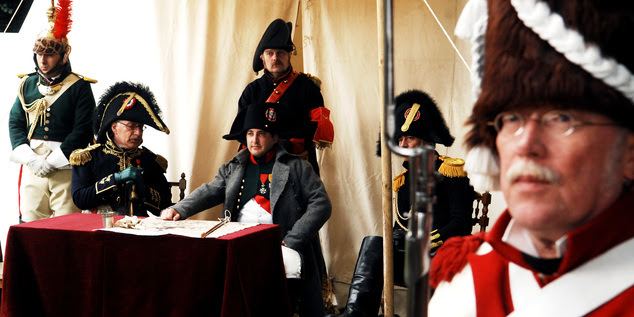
(277, 92)
(47, 122)
(48, 109)
(46, 137)
(286, 81)
(48, 114)
(46, 129)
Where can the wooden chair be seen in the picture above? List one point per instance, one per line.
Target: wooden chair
(181, 184)
(481, 202)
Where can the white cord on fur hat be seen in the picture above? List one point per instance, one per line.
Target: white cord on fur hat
(550, 27)
(471, 26)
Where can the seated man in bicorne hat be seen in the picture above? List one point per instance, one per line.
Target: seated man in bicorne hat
(116, 173)
(418, 122)
(265, 184)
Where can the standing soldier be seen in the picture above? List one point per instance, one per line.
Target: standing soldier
(295, 91)
(50, 118)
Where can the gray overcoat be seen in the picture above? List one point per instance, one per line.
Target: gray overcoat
(299, 205)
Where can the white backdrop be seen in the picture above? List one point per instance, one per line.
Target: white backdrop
(196, 57)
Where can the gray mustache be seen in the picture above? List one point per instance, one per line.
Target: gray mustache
(529, 168)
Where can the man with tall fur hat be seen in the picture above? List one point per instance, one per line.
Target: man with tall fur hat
(117, 173)
(419, 122)
(49, 119)
(281, 84)
(553, 128)
(265, 184)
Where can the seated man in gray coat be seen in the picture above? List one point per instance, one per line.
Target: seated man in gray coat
(265, 184)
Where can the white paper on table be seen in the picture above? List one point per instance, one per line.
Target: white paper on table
(155, 226)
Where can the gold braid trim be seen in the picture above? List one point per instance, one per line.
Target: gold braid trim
(435, 244)
(34, 110)
(125, 156)
(145, 105)
(82, 156)
(435, 236)
(398, 214)
(154, 196)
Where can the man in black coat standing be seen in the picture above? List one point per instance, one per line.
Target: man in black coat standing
(296, 91)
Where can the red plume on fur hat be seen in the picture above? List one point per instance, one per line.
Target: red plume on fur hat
(62, 19)
(566, 54)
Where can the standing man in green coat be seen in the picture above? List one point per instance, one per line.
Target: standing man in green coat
(50, 118)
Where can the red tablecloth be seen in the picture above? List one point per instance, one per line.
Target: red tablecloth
(62, 267)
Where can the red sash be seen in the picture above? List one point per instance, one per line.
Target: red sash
(325, 133)
(298, 144)
(282, 87)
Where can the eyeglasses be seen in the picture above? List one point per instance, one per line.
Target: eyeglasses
(555, 122)
(132, 127)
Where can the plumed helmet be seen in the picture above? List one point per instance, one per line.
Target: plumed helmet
(276, 36)
(54, 40)
(418, 115)
(127, 101)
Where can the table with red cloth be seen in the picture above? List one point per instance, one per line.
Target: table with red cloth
(62, 266)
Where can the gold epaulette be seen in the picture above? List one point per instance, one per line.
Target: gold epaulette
(162, 162)
(90, 80)
(398, 181)
(452, 167)
(315, 80)
(24, 75)
(82, 156)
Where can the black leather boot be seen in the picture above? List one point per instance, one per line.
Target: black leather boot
(366, 287)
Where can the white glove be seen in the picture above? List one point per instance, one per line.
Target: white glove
(23, 154)
(40, 167)
(292, 262)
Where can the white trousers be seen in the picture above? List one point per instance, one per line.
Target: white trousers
(44, 197)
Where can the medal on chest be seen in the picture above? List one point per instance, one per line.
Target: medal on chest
(265, 184)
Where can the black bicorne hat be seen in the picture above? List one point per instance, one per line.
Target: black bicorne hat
(276, 36)
(127, 101)
(272, 117)
(418, 115)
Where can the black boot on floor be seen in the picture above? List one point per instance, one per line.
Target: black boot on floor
(366, 287)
